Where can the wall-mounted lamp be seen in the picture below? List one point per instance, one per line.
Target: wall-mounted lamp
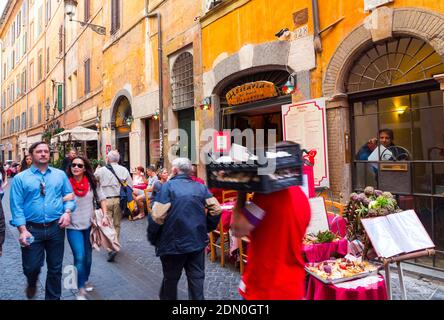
(290, 86)
(156, 116)
(70, 11)
(401, 110)
(128, 120)
(106, 127)
(206, 104)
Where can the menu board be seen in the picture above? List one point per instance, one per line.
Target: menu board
(306, 123)
(319, 219)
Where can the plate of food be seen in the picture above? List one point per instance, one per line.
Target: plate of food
(341, 270)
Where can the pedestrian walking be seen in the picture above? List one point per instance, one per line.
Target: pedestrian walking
(275, 269)
(26, 163)
(178, 228)
(2, 228)
(41, 216)
(67, 160)
(111, 189)
(87, 192)
(3, 181)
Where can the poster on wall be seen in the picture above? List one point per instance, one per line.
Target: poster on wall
(305, 123)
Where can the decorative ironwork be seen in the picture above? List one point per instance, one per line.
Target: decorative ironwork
(393, 62)
(182, 84)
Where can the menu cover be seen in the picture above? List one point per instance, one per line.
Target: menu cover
(397, 233)
(319, 220)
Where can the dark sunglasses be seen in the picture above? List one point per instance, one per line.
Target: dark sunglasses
(78, 165)
(42, 189)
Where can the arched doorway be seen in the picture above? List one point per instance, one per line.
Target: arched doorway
(122, 123)
(391, 91)
(259, 113)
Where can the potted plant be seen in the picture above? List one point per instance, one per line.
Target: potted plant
(370, 203)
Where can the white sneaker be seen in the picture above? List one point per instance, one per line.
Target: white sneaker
(80, 297)
(89, 287)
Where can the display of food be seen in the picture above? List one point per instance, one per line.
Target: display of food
(321, 237)
(340, 270)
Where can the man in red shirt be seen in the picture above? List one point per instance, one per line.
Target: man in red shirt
(275, 268)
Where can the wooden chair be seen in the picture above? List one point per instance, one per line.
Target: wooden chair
(334, 207)
(218, 238)
(223, 244)
(147, 201)
(243, 242)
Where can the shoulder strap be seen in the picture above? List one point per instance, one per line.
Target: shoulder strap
(108, 166)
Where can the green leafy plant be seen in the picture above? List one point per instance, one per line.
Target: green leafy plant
(370, 203)
(97, 162)
(325, 236)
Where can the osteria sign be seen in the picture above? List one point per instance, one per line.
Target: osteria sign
(250, 92)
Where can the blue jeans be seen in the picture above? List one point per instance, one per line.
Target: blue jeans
(49, 240)
(82, 251)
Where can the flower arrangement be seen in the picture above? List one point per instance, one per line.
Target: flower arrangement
(370, 203)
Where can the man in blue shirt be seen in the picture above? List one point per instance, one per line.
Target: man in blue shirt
(41, 215)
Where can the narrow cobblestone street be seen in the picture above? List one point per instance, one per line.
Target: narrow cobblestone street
(137, 273)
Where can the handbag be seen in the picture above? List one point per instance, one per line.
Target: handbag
(102, 236)
(127, 203)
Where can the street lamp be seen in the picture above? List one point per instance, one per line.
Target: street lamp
(129, 120)
(70, 11)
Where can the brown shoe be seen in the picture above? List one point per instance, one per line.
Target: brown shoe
(30, 292)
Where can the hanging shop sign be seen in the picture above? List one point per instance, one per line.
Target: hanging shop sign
(250, 92)
(306, 123)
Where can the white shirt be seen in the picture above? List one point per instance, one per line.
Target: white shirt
(107, 180)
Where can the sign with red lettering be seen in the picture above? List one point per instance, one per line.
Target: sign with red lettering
(222, 142)
(108, 148)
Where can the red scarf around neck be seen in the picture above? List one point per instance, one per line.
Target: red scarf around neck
(80, 188)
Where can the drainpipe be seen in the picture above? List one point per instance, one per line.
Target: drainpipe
(159, 62)
(317, 37)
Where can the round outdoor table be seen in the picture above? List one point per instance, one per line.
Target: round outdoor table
(368, 288)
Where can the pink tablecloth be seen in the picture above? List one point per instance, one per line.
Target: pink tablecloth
(368, 288)
(323, 251)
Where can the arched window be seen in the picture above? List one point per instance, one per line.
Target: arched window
(393, 62)
(182, 82)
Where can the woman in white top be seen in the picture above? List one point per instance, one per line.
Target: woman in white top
(86, 190)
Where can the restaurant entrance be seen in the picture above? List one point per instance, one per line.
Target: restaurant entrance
(397, 106)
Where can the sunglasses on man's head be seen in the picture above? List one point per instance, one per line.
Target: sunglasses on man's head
(78, 165)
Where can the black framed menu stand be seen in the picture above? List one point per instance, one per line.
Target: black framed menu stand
(398, 260)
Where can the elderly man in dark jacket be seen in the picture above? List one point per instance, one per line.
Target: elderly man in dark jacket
(183, 214)
(2, 228)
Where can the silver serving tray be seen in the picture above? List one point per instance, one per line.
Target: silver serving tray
(345, 279)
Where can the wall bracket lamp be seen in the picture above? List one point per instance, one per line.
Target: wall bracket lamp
(70, 11)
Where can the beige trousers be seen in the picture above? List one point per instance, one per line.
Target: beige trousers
(115, 213)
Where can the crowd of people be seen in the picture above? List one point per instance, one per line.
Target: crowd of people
(181, 211)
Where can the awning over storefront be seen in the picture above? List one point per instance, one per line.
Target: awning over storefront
(76, 134)
(33, 139)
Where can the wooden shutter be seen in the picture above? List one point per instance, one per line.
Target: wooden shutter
(87, 76)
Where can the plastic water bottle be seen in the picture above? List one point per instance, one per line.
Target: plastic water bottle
(30, 240)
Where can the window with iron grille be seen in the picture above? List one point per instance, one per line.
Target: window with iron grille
(115, 16)
(182, 86)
